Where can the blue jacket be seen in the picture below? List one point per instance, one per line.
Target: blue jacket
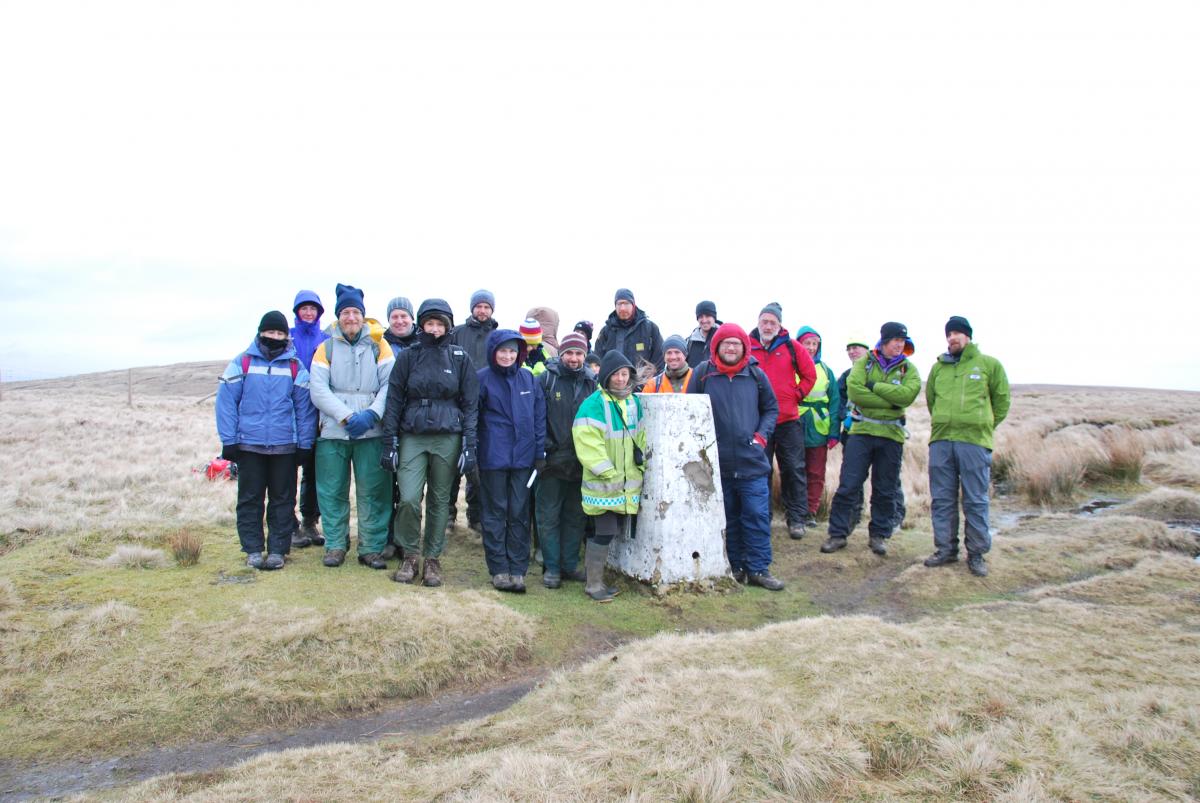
(512, 410)
(264, 406)
(743, 405)
(307, 336)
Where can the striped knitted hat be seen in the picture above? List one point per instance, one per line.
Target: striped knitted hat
(574, 340)
(531, 330)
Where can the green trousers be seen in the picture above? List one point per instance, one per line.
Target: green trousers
(561, 520)
(372, 492)
(432, 458)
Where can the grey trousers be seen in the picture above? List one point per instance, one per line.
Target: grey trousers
(954, 465)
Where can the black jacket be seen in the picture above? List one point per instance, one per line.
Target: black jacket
(472, 336)
(565, 390)
(743, 405)
(638, 339)
(433, 389)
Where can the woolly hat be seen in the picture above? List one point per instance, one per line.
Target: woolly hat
(400, 302)
(624, 294)
(483, 297)
(348, 296)
(531, 330)
(610, 363)
(273, 321)
(675, 342)
(706, 308)
(574, 340)
(774, 308)
(892, 330)
(586, 328)
(859, 342)
(958, 323)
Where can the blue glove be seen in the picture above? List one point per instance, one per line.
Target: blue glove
(358, 424)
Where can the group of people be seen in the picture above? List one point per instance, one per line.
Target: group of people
(549, 434)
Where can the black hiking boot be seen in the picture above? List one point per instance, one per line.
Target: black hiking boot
(941, 559)
(373, 559)
(977, 565)
(833, 543)
(878, 545)
(334, 558)
(766, 580)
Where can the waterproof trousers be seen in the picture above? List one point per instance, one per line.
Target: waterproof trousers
(608, 525)
(272, 476)
(372, 492)
(474, 504)
(815, 458)
(505, 520)
(748, 523)
(309, 509)
(787, 446)
(954, 465)
(561, 523)
(428, 464)
(881, 458)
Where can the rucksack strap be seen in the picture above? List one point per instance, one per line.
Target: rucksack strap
(294, 364)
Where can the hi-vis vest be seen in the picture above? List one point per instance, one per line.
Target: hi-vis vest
(816, 403)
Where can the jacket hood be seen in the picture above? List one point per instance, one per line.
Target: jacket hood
(969, 351)
(373, 328)
(610, 363)
(808, 330)
(724, 332)
(308, 297)
(494, 340)
(637, 317)
(779, 340)
(436, 306)
(549, 320)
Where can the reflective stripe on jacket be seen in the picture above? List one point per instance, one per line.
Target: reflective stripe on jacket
(605, 432)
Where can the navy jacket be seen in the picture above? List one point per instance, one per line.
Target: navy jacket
(743, 405)
(512, 410)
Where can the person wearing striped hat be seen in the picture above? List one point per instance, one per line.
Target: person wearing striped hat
(535, 350)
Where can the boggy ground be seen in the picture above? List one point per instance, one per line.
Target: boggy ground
(102, 661)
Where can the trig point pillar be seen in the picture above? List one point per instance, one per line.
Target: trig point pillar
(679, 536)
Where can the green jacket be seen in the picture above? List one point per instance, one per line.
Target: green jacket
(605, 432)
(967, 397)
(888, 397)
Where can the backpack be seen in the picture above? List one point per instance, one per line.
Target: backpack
(295, 365)
(759, 375)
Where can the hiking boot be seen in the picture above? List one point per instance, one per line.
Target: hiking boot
(878, 545)
(575, 576)
(501, 582)
(433, 573)
(273, 561)
(300, 541)
(552, 580)
(833, 543)
(308, 529)
(518, 583)
(796, 531)
(373, 559)
(810, 521)
(766, 580)
(334, 558)
(941, 559)
(741, 576)
(407, 571)
(389, 552)
(254, 560)
(977, 565)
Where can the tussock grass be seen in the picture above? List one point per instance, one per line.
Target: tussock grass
(132, 556)
(1180, 468)
(186, 546)
(1088, 693)
(1166, 504)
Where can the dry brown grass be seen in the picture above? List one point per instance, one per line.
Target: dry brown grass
(1166, 504)
(1180, 468)
(132, 556)
(186, 546)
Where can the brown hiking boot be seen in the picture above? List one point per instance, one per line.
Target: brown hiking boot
(833, 543)
(433, 572)
(308, 529)
(407, 571)
(334, 558)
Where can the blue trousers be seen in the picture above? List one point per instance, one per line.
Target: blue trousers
(955, 465)
(505, 520)
(880, 457)
(748, 523)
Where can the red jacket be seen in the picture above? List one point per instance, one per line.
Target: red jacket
(779, 367)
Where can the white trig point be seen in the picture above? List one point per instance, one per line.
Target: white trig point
(679, 536)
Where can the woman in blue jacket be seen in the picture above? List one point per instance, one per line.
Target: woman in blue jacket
(266, 423)
(512, 443)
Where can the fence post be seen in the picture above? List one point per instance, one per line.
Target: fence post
(129, 387)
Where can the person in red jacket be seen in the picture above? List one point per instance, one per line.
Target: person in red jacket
(792, 373)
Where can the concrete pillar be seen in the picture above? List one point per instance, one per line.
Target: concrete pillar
(680, 527)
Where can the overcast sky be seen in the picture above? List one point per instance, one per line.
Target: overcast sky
(169, 171)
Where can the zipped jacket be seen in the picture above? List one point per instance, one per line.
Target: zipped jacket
(472, 336)
(307, 336)
(564, 391)
(821, 409)
(968, 397)
(743, 406)
(264, 406)
(605, 432)
(698, 344)
(790, 369)
(347, 378)
(882, 396)
(512, 411)
(433, 390)
(638, 339)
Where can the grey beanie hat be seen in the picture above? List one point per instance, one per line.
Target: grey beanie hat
(624, 294)
(400, 302)
(775, 309)
(483, 297)
(675, 342)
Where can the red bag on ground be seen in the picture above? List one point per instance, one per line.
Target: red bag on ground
(219, 469)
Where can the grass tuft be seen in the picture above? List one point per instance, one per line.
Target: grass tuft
(186, 546)
(1166, 504)
(131, 556)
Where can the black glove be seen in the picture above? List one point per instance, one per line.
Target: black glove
(389, 458)
(870, 384)
(638, 457)
(302, 455)
(229, 452)
(539, 465)
(467, 461)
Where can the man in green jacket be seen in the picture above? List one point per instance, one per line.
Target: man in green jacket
(881, 386)
(968, 396)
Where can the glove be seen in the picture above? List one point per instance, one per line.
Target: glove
(539, 465)
(358, 424)
(467, 461)
(759, 440)
(870, 384)
(638, 458)
(389, 458)
(303, 454)
(229, 452)
(832, 442)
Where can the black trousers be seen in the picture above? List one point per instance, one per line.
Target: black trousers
(881, 457)
(506, 520)
(308, 488)
(474, 508)
(272, 476)
(788, 445)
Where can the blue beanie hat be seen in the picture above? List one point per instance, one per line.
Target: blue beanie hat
(348, 296)
(675, 342)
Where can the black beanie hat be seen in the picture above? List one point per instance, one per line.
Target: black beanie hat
(892, 330)
(273, 321)
(610, 363)
(586, 328)
(706, 308)
(958, 323)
